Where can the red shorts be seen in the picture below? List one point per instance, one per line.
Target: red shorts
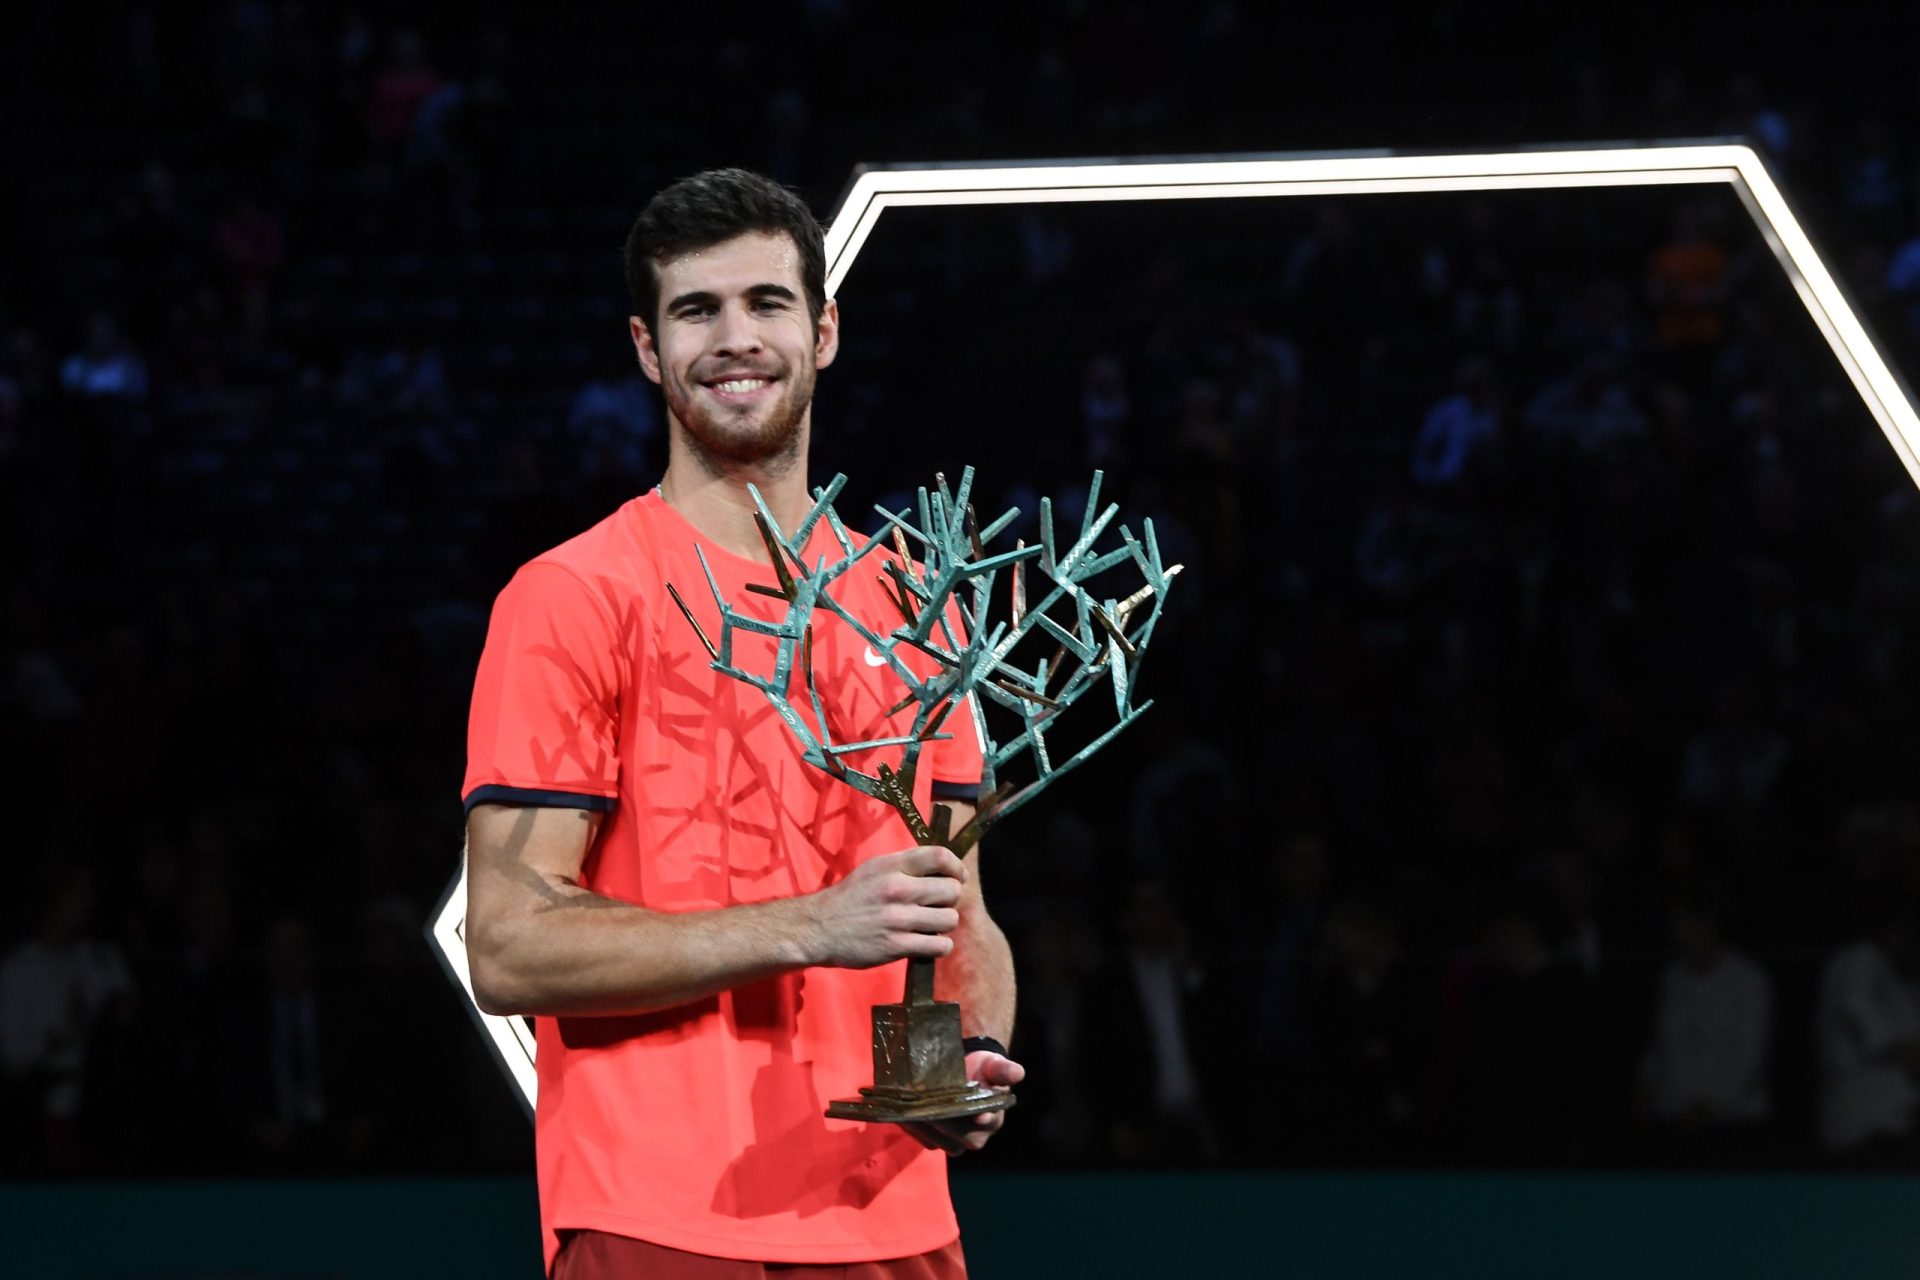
(601, 1255)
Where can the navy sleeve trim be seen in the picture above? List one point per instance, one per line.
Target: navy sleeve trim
(544, 799)
(968, 791)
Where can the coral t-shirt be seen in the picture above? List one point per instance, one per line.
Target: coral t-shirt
(701, 1127)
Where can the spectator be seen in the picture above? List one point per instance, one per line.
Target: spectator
(252, 243)
(106, 367)
(1704, 1079)
(1149, 1075)
(614, 423)
(1058, 963)
(1687, 283)
(1902, 282)
(281, 1056)
(400, 88)
(53, 988)
(1282, 1031)
(1361, 1097)
(1518, 1030)
(1389, 547)
(1459, 431)
(1867, 1037)
(25, 367)
(1106, 411)
(1589, 410)
(36, 693)
(1875, 180)
(1734, 763)
(396, 382)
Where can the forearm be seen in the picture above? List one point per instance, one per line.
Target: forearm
(539, 941)
(579, 953)
(979, 975)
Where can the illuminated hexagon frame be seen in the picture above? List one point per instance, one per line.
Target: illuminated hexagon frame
(875, 189)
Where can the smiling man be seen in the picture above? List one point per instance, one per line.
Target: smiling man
(697, 920)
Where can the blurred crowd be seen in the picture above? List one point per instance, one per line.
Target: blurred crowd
(1524, 784)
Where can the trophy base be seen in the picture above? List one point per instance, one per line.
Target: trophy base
(884, 1104)
(919, 1063)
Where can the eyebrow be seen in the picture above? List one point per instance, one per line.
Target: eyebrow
(702, 298)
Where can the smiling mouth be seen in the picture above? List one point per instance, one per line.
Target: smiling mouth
(739, 386)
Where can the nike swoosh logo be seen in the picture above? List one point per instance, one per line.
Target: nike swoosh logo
(873, 659)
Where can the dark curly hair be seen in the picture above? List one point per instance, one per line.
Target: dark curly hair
(712, 207)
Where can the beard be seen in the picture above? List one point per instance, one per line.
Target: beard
(726, 439)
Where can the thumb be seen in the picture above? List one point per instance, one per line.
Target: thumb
(993, 1069)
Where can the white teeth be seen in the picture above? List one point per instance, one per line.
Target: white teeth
(735, 386)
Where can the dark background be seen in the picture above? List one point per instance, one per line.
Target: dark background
(313, 329)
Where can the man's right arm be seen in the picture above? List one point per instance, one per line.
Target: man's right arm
(540, 942)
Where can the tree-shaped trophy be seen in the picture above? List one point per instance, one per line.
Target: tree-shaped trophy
(944, 601)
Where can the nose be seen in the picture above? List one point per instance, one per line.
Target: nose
(736, 331)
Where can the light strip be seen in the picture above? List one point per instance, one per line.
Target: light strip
(1879, 386)
(875, 191)
(510, 1038)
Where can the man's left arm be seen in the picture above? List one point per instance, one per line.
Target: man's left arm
(979, 975)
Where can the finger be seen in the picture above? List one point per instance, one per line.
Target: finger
(969, 1133)
(924, 919)
(981, 1129)
(924, 946)
(932, 891)
(932, 860)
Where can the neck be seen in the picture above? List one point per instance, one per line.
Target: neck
(714, 499)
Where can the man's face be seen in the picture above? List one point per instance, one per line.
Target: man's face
(735, 352)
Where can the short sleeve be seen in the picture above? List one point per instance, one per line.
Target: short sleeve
(545, 721)
(958, 763)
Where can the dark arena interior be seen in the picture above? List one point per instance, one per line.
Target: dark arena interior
(1527, 808)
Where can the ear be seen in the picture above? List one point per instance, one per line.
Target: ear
(643, 347)
(826, 341)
